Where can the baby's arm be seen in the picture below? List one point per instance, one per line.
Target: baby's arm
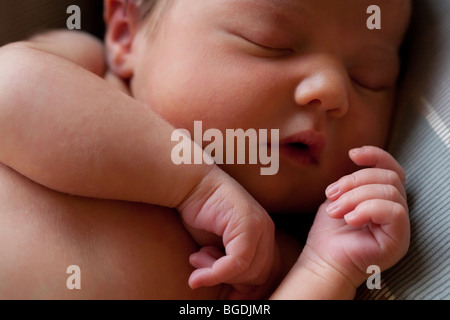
(69, 130)
(80, 48)
(364, 222)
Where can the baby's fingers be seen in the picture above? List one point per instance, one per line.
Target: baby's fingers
(374, 157)
(222, 270)
(205, 258)
(203, 261)
(248, 262)
(392, 217)
(215, 267)
(353, 198)
(370, 176)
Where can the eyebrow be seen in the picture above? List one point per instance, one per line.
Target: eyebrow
(274, 4)
(279, 10)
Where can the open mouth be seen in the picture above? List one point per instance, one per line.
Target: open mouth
(304, 148)
(299, 146)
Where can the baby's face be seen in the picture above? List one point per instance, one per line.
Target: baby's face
(306, 67)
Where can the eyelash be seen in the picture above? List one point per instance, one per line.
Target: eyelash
(275, 50)
(361, 84)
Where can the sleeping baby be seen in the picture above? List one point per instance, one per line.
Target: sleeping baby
(87, 176)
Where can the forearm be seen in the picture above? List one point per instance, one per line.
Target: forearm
(68, 130)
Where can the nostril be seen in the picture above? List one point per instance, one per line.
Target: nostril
(314, 102)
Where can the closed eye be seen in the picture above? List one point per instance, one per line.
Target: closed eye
(376, 74)
(369, 85)
(269, 49)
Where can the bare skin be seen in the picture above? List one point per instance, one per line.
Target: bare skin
(125, 250)
(52, 231)
(102, 218)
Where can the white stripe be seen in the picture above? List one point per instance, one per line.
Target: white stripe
(436, 122)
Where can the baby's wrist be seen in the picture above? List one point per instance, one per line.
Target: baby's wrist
(331, 283)
(209, 181)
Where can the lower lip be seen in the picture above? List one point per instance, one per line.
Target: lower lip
(297, 156)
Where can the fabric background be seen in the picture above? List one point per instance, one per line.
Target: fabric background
(21, 18)
(421, 143)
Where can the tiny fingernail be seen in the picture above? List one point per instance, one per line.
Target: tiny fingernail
(355, 151)
(349, 216)
(332, 190)
(332, 208)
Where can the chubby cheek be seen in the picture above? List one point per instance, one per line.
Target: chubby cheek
(202, 86)
(363, 125)
(367, 123)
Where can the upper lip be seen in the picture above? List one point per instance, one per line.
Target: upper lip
(313, 141)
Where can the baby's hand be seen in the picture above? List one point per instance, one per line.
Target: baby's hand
(220, 206)
(365, 219)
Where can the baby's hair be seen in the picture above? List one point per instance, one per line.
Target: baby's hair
(145, 7)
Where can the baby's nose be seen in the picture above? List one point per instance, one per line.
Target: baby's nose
(325, 86)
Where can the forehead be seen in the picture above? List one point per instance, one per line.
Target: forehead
(346, 7)
(349, 15)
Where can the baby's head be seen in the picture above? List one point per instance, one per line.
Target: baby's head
(312, 69)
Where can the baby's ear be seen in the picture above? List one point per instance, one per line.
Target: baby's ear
(122, 19)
